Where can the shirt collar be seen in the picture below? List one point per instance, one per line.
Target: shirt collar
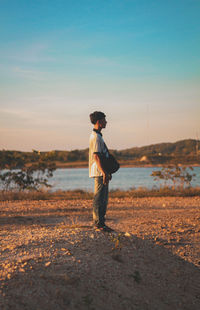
(97, 131)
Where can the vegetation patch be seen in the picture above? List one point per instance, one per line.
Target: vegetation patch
(80, 194)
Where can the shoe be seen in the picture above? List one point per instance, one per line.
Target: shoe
(107, 229)
(97, 227)
(103, 228)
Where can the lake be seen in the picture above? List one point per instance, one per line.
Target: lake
(124, 179)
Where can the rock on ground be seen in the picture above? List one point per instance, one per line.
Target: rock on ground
(51, 258)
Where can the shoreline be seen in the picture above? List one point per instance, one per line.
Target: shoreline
(85, 165)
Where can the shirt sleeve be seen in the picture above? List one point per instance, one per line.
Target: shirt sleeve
(97, 148)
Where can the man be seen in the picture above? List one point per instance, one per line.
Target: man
(101, 178)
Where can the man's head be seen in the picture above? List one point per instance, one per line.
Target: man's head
(98, 119)
(96, 116)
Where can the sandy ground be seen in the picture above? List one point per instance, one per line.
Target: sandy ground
(52, 259)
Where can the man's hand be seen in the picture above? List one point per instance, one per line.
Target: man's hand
(106, 178)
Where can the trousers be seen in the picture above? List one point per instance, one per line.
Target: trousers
(100, 201)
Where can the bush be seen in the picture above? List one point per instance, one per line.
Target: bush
(175, 177)
(21, 176)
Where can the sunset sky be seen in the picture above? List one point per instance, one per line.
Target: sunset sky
(138, 61)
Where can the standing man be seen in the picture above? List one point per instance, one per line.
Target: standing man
(101, 178)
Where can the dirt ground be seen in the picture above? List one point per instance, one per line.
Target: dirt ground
(51, 258)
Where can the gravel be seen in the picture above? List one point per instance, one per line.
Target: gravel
(51, 258)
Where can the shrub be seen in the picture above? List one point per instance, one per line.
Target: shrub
(23, 176)
(176, 177)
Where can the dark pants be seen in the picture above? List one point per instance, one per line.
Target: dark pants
(100, 201)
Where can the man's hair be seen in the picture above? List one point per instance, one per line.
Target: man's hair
(96, 116)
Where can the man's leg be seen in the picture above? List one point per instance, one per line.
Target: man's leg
(100, 201)
(105, 203)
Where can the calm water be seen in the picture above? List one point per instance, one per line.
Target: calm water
(125, 178)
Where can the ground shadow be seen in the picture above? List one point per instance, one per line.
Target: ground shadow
(43, 217)
(103, 271)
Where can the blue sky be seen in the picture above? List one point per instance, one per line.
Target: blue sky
(138, 61)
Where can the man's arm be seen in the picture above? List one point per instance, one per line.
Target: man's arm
(106, 177)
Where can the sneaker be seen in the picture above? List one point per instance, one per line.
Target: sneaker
(107, 229)
(103, 228)
(98, 227)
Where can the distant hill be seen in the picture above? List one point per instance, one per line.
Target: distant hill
(180, 152)
(183, 147)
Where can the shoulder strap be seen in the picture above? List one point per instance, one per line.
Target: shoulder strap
(106, 148)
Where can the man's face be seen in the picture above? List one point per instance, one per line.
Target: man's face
(103, 122)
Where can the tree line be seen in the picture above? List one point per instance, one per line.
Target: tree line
(184, 152)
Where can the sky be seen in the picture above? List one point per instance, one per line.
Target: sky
(138, 61)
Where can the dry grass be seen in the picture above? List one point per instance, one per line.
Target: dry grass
(44, 195)
(81, 194)
(157, 192)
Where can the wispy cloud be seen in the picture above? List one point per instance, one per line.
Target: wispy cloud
(12, 118)
(29, 74)
(27, 53)
(37, 52)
